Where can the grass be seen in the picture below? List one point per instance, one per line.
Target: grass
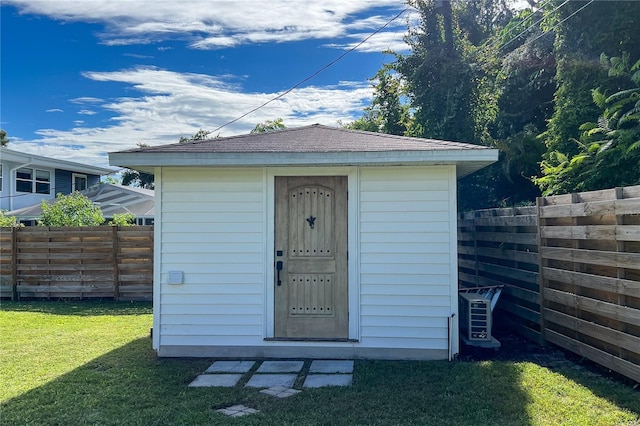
(90, 363)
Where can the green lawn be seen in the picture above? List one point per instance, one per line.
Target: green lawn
(90, 363)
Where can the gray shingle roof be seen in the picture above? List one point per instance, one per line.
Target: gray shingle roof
(316, 138)
(310, 146)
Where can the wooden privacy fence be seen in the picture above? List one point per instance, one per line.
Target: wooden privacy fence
(77, 262)
(500, 247)
(571, 271)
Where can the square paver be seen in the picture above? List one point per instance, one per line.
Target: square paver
(321, 380)
(280, 367)
(280, 392)
(230, 367)
(215, 380)
(237, 410)
(272, 380)
(331, 366)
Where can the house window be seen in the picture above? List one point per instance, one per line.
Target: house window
(79, 182)
(33, 180)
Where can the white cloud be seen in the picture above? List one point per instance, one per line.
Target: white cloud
(86, 100)
(179, 104)
(217, 24)
(87, 112)
(54, 110)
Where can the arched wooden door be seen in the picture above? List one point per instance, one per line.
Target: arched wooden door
(311, 288)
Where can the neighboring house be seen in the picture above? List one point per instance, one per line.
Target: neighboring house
(27, 179)
(112, 199)
(307, 242)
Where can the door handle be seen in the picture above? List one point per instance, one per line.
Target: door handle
(279, 268)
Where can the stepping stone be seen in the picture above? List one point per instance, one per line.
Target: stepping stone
(272, 380)
(280, 392)
(280, 367)
(215, 380)
(237, 410)
(321, 380)
(230, 367)
(331, 366)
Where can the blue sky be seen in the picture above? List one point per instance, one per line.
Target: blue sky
(83, 78)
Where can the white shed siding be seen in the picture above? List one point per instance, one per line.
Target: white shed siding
(212, 229)
(405, 256)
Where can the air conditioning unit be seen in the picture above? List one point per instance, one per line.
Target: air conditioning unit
(476, 320)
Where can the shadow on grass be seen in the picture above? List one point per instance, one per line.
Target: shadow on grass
(131, 386)
(127, 386)
(603, 383)
(78, 307)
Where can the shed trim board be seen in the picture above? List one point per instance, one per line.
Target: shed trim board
(420, 331)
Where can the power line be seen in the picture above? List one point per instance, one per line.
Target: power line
(556, 25)
(314, 74)
(531, 26)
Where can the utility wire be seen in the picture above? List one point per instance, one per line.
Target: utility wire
(556, 25)
(531, 26)
(314, 74)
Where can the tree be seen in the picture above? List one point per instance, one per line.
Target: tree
(269, 126)
(74, 209)
(387, 112)
(137, 178)
(200, 135)
(609, 148)
(4, 141)
(448, 79)
(577, 50)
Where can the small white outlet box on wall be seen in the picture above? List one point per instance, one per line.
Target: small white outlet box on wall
(176, 277)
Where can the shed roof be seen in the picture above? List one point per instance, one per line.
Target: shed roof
(310, 145)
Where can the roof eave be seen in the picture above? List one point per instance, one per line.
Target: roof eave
(473, 159)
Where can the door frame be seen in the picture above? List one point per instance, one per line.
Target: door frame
(353, 241)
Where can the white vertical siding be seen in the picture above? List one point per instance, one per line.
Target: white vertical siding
(212, 229)
(405, 256)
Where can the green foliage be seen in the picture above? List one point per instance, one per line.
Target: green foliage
(200, 135)
(138, 179)
(387, 112)
(123, 219)
(578, 46)
(8, 221)
(608, 152)
(269, 126)
(4, 141)
(74, 209)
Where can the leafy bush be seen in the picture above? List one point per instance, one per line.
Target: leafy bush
(74, 209)
(10, 221)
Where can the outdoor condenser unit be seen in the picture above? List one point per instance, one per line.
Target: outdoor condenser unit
(475, 318)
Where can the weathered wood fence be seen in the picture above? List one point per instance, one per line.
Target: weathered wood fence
(77, 262)
(570, 267)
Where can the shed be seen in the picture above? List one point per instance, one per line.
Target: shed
(306, 242)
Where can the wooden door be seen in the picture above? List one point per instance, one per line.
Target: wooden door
(311, 242)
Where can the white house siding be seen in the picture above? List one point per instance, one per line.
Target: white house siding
(405, 256)
(212, 229)
(212, 225)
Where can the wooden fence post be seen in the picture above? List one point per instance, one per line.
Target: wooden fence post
(541, 263)
(116, 270)
(14, 264)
